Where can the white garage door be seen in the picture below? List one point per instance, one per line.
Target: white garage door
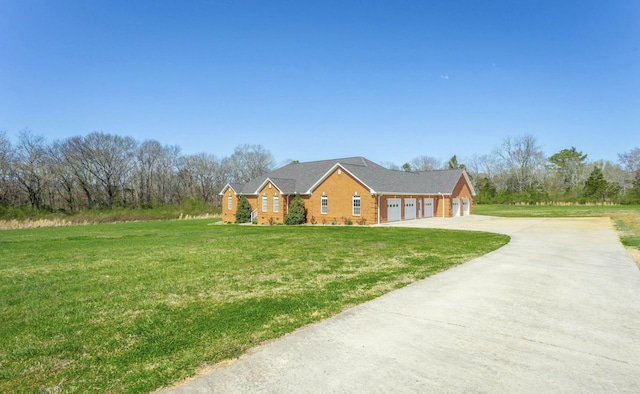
(428, 207)
(455, 206)
(409, 208)
(393, 209)
(466, 207)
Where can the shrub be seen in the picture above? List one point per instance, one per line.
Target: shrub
(297, 214)
(243, 213)
(346, 221)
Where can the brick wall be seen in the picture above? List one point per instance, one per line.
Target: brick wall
(340, 188)
(269, 193)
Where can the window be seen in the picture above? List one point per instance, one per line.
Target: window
(264, 203)
(356, 205)
(276, 203)
(324, 204)
(229, 202)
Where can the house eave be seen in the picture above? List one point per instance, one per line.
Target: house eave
(412, 194)
(263, 184)
(224, 190)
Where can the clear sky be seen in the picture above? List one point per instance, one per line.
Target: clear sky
(311, 80)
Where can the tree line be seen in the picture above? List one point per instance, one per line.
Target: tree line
(103, 171)
(518, 171)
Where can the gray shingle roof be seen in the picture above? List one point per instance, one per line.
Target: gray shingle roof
(301, 177)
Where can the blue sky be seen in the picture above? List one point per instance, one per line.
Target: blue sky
(311, 80)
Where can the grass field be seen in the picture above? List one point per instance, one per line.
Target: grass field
(625, 217)
(131, 307)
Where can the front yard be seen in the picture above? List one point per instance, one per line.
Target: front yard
(132, 307)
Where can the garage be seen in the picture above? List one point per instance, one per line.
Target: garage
(455, 207)
(466, 207)
(409, 208)
(393, 210)
(428, 208)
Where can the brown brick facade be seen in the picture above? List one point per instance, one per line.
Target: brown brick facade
(340, 188)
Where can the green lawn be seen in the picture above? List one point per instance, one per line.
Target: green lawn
(132, 307)
(553, 210)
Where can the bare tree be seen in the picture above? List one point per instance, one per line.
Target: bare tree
(6, 170)
(65, 181)
(425, 163)
(390, 165)
(73, 153)
(630, 160)
(202, 174)
(524, 160)
(31, 167)
(248, 162)
(103, 164)
(162, 170)
(145, 169)
(615, 175)
(489, 166)
(111, 162)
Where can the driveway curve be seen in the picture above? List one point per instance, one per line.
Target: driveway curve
(555, 310)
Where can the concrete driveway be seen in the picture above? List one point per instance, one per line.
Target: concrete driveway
(555, 310)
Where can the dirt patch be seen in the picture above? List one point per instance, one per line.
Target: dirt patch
(635, 253)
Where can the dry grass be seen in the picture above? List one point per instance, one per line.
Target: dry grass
(42, 223)
(39, 223)
(628, 225)
(635, 253)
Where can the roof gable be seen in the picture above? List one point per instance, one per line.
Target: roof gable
(235, 187)
(337, 166)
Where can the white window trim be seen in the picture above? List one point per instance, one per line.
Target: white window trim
(265, 203)
(229, 203)
(324, 205)
(353, 205)
(276, 203)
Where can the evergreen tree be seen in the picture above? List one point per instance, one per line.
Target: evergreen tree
(297, 214)
(486, 191)
(569, 168)
(454, 165)
(596, 187)
(243, 213)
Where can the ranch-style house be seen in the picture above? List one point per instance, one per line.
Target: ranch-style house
(352, 189)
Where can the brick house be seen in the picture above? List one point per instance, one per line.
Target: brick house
(354, 189)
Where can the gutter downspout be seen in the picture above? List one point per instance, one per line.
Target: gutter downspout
(442, 198)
